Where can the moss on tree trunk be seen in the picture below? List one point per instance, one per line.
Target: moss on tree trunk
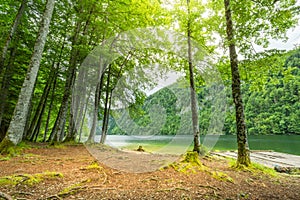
(7, 147)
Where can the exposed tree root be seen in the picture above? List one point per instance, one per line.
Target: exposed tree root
(208, 186)
(53, 197)
(173, 189)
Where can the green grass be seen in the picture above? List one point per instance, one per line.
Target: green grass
(28, 179)
(254, 168)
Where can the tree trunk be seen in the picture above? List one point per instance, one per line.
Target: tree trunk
(4, 92)
(194, 106)
(83, 117)
(59, 122)
(17, 125)
(50, 109)
(91, 138)
(40, 108)
(12, 33)
(106, 112)
(243, 150)
(107, 116)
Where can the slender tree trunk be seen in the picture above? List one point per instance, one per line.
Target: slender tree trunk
(39, 110)
(71, 135)
(243, 150)
(105, 117)
(50, 109)
(59, 122)
(91, 138)
(17, 125)
(4, 92)
(12, 33)
(194, 105)
(83, 116)
(79, 101)
(109, 97)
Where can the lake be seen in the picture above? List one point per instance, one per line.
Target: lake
(280, 143)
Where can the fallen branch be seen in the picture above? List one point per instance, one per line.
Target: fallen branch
(72, 191)
(54, 197)
(105, 177)
(173, 189)
(100, 188)
(23, 193)
(149, 179)
(6, 196)
(208, 186)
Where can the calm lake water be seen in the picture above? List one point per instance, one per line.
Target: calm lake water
(280, 143)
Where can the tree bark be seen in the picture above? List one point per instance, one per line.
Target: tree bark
(59, 122)
(41, 106)
(106, 112)
(12, 33)
(4, 93)
(83, 116)
(50, 109)
(91, 138)
(243, 149)
(18, 122)
(194, 106)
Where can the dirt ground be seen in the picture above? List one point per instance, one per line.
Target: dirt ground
(79, 175)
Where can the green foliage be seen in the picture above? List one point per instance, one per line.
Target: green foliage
(271, 106)
(270, 80)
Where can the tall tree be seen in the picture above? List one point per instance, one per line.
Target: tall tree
(243, 149)
(194, 104)
(12, 33)
(17, 125)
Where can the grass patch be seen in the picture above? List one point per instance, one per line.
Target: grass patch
(189, 164)
(221, 176)
(73, 189)
(254, 168)
(4, 158)
(10, 149)
(28, 179)
(92, 166)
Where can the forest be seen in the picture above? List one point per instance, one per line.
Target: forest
(271, 107)
(46, 95)
(75, 72)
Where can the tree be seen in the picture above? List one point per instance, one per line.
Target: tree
(6, 67)
(194, 103)
(17, 125)
(243, 149)
(255, 22)
(11, 34)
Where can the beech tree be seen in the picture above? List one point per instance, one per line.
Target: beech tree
(243, 149)
(6, 69)
(16, 128)
(194, 106)
(247, 23)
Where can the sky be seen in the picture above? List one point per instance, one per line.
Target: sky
(294, 39)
